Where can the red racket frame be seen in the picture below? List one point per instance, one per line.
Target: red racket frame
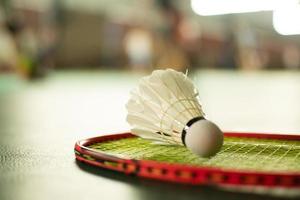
(187, 174)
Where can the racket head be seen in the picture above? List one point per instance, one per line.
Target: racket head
(115, 158)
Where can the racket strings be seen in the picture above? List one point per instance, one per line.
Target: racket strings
(267, 156)
(280, 160)
(221, 158)
(237, 153)
(239, 157)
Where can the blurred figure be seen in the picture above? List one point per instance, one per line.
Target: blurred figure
(291, 56)
(8, 50)
(190, 33)
(111, 53)
(170, 53)
(138, 47)
(248, 57)
(228, 53)
(33, 27)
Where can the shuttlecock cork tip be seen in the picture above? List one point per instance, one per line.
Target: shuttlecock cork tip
(204, 138)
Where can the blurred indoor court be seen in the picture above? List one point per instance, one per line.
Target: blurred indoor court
(67, 67)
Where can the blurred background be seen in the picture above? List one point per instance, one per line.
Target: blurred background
(40, 35)
(75, 61)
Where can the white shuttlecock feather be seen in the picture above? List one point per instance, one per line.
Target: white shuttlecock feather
(165, 107)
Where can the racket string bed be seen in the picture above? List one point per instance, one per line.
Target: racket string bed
(261, 156)
(207, 162)
(242, 157)
(297, 156)
(222, 156)
(237, 153)
(272, 158)
(280, 160)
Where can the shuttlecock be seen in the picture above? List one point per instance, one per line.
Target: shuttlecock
(165, 107)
